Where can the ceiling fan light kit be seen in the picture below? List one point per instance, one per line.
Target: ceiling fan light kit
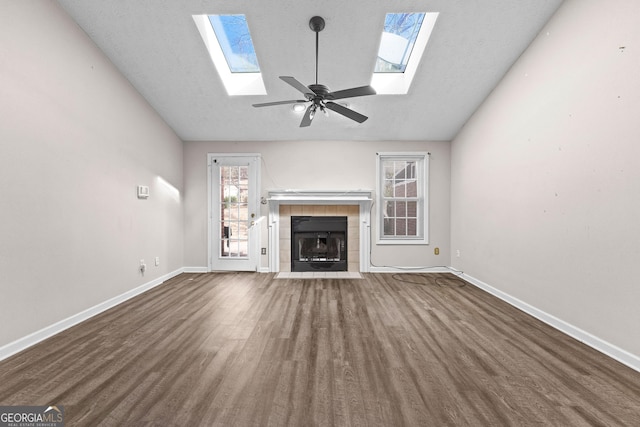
(319, 96)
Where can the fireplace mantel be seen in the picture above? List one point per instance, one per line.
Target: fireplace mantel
(361, 198)
(298, 197)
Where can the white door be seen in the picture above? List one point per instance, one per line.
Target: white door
(234, 212)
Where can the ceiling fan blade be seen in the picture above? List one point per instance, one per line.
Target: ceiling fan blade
(268, 104)
(346, 112)
(308, 116)
(296, 84)
(353, 92)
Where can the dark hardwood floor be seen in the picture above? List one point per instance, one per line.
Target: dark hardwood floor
(241, 349)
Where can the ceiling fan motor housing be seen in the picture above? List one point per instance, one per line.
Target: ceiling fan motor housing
(321, 91)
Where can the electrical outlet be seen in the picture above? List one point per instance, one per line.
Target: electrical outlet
(436, 251)
(264, 251)
(458, 253)
(157, 261)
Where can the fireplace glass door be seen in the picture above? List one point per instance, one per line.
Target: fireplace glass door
(318, 243)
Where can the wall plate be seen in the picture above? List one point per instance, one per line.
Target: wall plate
(143, 191)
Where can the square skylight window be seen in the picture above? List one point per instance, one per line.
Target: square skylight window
(402, 42)
(231, 49)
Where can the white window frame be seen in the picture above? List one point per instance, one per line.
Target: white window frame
(234, 83)
(399, 83)
(422, 173)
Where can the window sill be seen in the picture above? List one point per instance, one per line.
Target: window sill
(423, 242)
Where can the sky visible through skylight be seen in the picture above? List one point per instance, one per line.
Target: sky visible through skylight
(232, 32)
(398, 38)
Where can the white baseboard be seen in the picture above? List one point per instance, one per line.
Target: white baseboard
(44, 333)
(622, 356)
(195, 270)
(206, 270)
(437, 269)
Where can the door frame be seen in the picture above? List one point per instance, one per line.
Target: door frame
(254, 233)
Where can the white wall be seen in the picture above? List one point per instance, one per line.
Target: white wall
(75, 140)
(546, 180)
(324, 165)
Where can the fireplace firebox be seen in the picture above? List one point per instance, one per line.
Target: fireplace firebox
(319, 243)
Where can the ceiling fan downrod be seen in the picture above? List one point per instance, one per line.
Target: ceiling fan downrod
(317, 24)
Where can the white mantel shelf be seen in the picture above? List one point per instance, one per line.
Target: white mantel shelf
(297, 197)
(362, 198)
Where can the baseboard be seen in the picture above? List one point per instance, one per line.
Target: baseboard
(38, 336)
(195, 270)
(436, 269)
(206, 270)
(622, 356)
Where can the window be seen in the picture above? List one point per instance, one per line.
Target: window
(402, 42)
(402, 198)
(231, 49)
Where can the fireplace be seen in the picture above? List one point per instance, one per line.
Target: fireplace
(319, 243)
(354, 204)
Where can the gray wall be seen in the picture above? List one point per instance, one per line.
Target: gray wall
(546, 178)
(75, 141)
(324, 165)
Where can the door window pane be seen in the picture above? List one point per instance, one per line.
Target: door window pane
(234, 211)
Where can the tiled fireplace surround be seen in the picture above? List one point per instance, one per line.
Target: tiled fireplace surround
(355, 205)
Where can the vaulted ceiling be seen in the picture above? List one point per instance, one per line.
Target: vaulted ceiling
(157, 47)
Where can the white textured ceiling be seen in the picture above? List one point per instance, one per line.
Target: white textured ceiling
(156, 46)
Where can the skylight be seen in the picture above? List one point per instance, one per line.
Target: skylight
(398, 38)
(402, 42)
(230, 47)
(233, 36)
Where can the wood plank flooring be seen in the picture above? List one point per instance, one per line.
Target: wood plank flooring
(243, 349)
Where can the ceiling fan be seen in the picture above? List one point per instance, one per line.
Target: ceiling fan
(319, 96)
